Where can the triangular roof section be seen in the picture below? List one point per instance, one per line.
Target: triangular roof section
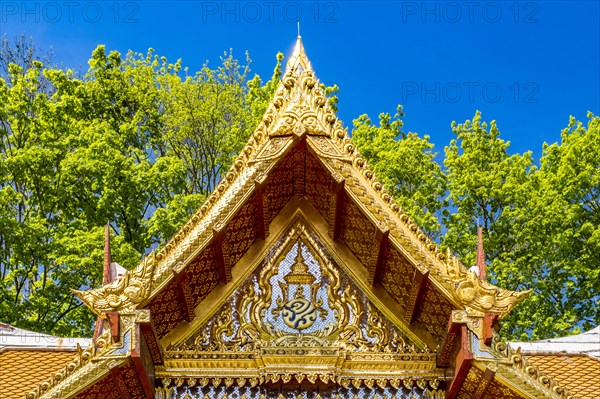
(300, 111)
(300, 315)
(299, 163)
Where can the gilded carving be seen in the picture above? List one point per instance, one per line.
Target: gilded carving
(461, 285)
(294, 302)
(318, 188)
(281, 392)
(300, 107)
(165, 310)
(306, 311)
(75, 373)
(397, 276)
(436, 314)
(123, 294)
(142, 316)
(299, 310)
(276, 147)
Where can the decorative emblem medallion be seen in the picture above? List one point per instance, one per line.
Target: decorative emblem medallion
(297, 302)
(299, 314)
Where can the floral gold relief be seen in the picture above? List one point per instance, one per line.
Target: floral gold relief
(299, 313)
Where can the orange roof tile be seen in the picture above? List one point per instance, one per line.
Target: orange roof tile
(580, 374)
(21, 370)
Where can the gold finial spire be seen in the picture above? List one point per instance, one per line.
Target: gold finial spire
(299, 270)
(106, 275)
(298, 62)
(480, 254)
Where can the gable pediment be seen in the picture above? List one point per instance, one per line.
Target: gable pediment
(300, 150)
(299, 310)
(299, 288)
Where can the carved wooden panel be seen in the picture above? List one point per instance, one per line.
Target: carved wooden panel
(298, 320)
(357, 232)
(298, 161)
(132, 382)
(152, 346)
(290, 392)
(203, 275)
(397, 276)
(279, 188)
(318, 187)
(114, 388)
(360, 190)
(435, 312)
(499, 391)
(299, 296)
(470, 384)
(241, 232)
(166, 310)
(104, 389)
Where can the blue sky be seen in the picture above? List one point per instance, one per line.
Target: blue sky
(526, 64)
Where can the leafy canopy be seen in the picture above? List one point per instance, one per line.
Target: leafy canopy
(136, 142)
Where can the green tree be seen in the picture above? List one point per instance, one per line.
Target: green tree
(134, 142)
(558, 235)
(485, 184)
(140, 143)
(540, 223)
(406, 164)
(487, 187)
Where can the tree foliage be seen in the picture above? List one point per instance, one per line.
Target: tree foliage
(139, 143)
(405, 163)
(135, 142)
(558, 239)
(541, 221)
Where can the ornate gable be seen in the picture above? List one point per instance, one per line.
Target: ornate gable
(298, 318)
(299, 274)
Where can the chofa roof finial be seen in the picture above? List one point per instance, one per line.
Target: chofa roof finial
(298, 62)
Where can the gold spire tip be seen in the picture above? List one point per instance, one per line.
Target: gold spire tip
(298, 58)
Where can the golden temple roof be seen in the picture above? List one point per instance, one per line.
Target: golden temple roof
(21, 370)
(301, 159)
(300, 108)
(27, 357)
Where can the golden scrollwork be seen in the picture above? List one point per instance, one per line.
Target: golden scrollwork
(341, 334)
(477, 294)
(346, 387)
(248, 339)
(123, 294)
(282, 304)
(81, 359)
(142, 316)
(300, 107)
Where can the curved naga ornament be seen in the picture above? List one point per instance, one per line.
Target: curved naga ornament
(298, 299)
(123, 294)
